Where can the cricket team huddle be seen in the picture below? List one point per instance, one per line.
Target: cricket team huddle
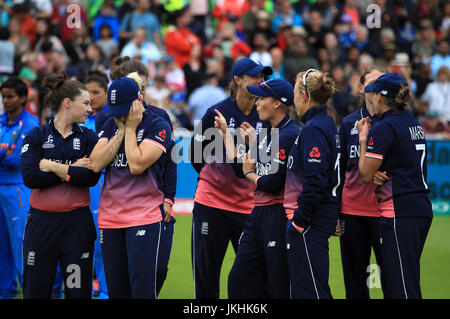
(97, 192)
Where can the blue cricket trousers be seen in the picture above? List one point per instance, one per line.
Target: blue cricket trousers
(165, 248)
(308, 260)
(402, 240)
(260, 269)
(130, 258)
(212, 230)
(14, 206)
(65, 237)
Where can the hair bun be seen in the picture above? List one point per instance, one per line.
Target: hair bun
(55, 80)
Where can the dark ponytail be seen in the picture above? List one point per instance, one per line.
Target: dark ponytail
(403, 98)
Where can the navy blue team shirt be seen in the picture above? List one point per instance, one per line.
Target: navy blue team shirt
(399, 141)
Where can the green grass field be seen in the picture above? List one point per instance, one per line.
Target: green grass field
(435, 264)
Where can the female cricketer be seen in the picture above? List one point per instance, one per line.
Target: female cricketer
(219, 212)
(260, 269)
(124, 67)
(359, 218)
(15, 123)
(132, 148)
(55, 165)
(396, 144)
(311, 191)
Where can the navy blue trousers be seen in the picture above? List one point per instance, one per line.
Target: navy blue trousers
(67, 238)
(165, 248)
(130, 260)
(212, 230)
(402, 240)
(361, 235)
(260, 269)
(308, 260)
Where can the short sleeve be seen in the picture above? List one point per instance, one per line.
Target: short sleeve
(159, 134)
(379, 140)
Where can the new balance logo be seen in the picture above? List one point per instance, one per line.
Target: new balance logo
(271, 243)
(31, 258)
(140, 232)
(204, 230)
(85, 255)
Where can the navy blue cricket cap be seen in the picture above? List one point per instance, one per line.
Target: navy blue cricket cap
(249, 67)
(279, 89)
(388, 85)
(121, 94)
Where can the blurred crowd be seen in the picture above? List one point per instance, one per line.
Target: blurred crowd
(189, 47)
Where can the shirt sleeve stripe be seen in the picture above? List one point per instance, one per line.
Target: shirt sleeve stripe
(374, 155)
(156, 144)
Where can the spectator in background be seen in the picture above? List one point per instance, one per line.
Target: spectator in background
(227, 39)
(205, 96)
(248, 19)
(21, 43)
(7, 53)
(352, 63)
(345, 33)
(28, 76)
(27, 23)
(108, 44)
(277, 64)
(388, 55)
(285, 15)
(107, 16)
(261, 46)
(156, 94)
(141, 49)
(263, 25)
(229, 10)
(445, 24)
(316, 31)
(361, 38)
(437, 95)
(40, 9)
(298, 60)
(77, 44)
(351, 10)
(141, 17)
(179, 41)
(220, 65)
(44, 33)
(95, 60)
(441, 58)
(194, 70)
(5, 10)
(425, 45)
(422, 77)
(433, 125)
(174, 75)
(334, 51)
(178, 107)
(342, 99)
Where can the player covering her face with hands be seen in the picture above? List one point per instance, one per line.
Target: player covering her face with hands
(132, 148)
